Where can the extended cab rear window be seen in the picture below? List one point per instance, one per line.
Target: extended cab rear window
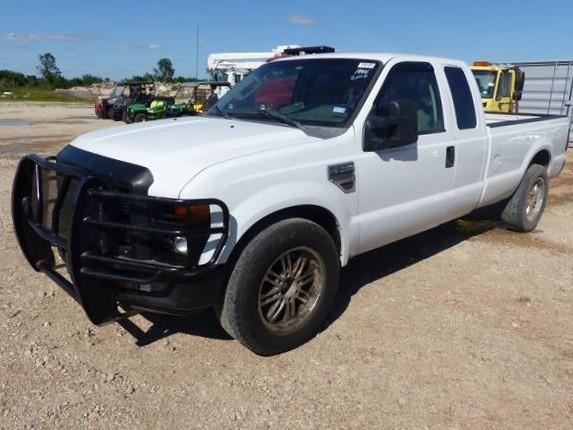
(462, 96)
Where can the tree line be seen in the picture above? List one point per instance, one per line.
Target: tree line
(50, 76)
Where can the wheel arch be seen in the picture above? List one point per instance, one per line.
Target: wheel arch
(312, 212)
(541, 157)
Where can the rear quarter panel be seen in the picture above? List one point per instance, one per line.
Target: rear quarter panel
(514, 146)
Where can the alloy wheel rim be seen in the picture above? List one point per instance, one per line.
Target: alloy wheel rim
(535, 199)
(290, 289)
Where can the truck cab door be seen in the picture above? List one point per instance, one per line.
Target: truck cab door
(406, 189)
(504, 94)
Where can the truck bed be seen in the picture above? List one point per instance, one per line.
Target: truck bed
(513, 136)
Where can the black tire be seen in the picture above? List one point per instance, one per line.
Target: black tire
(125, 117)
(241, 311)
(114, 115)
(525, 208)
(140, 117)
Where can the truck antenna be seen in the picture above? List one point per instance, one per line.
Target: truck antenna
(197, 53)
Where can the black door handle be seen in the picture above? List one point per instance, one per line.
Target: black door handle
(450, 156)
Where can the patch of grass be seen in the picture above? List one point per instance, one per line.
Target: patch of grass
(472, 227)
(39, 94)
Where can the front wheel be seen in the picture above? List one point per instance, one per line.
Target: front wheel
(140, 117)
(524, 209)
(116, 113)
(281, 288)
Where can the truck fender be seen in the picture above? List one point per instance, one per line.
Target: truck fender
(532, 154)
(536, 153)
(273, 199)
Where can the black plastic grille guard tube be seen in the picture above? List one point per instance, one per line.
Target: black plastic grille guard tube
(36, 240)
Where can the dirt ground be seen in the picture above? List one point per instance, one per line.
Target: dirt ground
(465, 326)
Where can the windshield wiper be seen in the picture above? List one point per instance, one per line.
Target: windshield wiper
(284, 119)
(272, 115)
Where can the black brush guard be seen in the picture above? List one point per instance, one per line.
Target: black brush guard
(60, 206)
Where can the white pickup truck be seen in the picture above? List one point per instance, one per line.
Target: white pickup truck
(253, 208)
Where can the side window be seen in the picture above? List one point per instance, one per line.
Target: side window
(462, 96)
(417, 83)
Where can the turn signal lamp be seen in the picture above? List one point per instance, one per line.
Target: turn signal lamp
(196, 214)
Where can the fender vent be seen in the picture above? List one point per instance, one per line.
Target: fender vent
(342, 175)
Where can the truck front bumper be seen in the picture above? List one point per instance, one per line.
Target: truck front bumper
(114, 244)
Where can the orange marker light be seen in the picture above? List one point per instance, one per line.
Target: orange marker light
(181, 212)
(197, 214)
(200, 214)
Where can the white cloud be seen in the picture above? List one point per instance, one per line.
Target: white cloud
(297, 19)
(31, 37)
(152, 46)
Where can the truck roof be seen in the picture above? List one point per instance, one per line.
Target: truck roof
(382, 57)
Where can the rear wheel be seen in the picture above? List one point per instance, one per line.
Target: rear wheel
(140, 117)
(525, 208)
(281, 288)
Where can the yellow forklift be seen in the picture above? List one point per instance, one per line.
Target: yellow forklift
(500, 85)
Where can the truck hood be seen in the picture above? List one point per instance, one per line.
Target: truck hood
(176, 150)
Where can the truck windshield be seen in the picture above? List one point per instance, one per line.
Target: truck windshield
(323, 92)
(486, 82)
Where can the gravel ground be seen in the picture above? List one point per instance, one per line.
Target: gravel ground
(465, 326)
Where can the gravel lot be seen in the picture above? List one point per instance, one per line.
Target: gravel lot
(465, 326)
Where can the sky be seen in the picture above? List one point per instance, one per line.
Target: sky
(118, 39)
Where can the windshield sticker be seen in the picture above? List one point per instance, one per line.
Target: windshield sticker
(366, 65)
(339, 109)
(360, 74)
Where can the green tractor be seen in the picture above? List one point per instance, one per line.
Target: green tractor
(204, 94)
(201, 96)
(125, 94)
(156, 109)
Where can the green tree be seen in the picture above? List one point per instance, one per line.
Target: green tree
(10, 80)
(90, 79)
(48, 68)
(139, 78)
(164, 70)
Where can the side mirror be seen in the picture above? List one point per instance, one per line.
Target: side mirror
(391, 125)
